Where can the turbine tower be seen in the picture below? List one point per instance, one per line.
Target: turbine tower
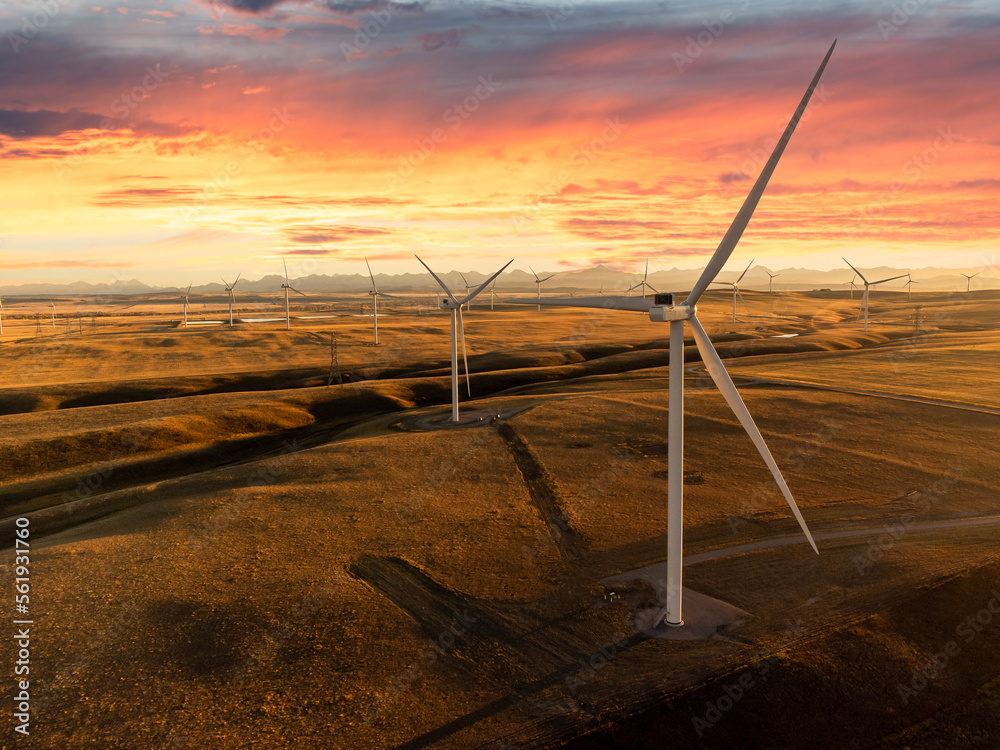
(53, 304)
(968, 281)
(770, 280)
(736, 290)
(663, 309)
(538, 284)
(457, 326)
(867, 283)
(641, 286)
(232, 296)
(286, 287)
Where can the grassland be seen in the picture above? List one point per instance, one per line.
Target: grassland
(228, 552)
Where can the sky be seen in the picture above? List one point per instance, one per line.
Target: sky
(176, 142)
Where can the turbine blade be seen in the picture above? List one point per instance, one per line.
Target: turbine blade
(533, 272)
(735, 231)
(285, 266)
(547, 278)
(189, 288)
(636, 304)
(485, 284)
(713, 363)
(855, 270)
(740, 295)
(902, 276)
(440, 283)
(465, 356)
(297, 291)
(238, 276)
(744, 272)
(375, 288)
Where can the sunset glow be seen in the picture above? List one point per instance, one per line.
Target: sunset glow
(174, 141)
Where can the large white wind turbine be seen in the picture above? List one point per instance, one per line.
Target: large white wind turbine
(538, 284)
(232, 296)
(642, 285)
(288, 287)
(736, 290)
(968, 281)
(867, 283)
(458, 329)
(663, 309)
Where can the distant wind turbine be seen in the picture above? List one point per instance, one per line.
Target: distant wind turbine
(375, 294)
(287, 287)
(867, 283)
(468, 286)
(770, 280)
(663, 309)
(642, 285)
(232, 296)
(538, 284)
(909, 282)
(968, 281)
(736, 290)
(184, 298)
(458, 328)
(493, 296)
(53, 304)
(853, 285)
(1, 316)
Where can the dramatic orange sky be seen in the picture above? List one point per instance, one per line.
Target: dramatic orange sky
(173, 142)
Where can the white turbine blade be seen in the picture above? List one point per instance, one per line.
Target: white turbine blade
(855, 270)
(464, 279)
(646, 272)
(546, 278)
(901, 276)
(389, 296)
(735, 231)
(713, 363)
(285, 266)
(485, 284)
(636, 304)
(533, 273)
(465, 356)
(298, 292)
(744, 272)
(370, 274)
(189, 288)
(440, 283)
(238, 276)
(740, 295)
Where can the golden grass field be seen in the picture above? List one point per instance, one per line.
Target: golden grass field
(227, 552)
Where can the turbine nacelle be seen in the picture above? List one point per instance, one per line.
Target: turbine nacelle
(664, 310)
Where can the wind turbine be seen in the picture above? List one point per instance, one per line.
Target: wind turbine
(375, 294)
(736, 290)
(1, 316)
(468, 286)
(968, 281)
(909, 282)
(867, 283)
(287, 286)
(538, 284)
(232, 297)
(770, 280)
(853, 285)
(641, 286)
(53, 304)
(493, 296)
(457, 326)
(185, 299)
(663, 309)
